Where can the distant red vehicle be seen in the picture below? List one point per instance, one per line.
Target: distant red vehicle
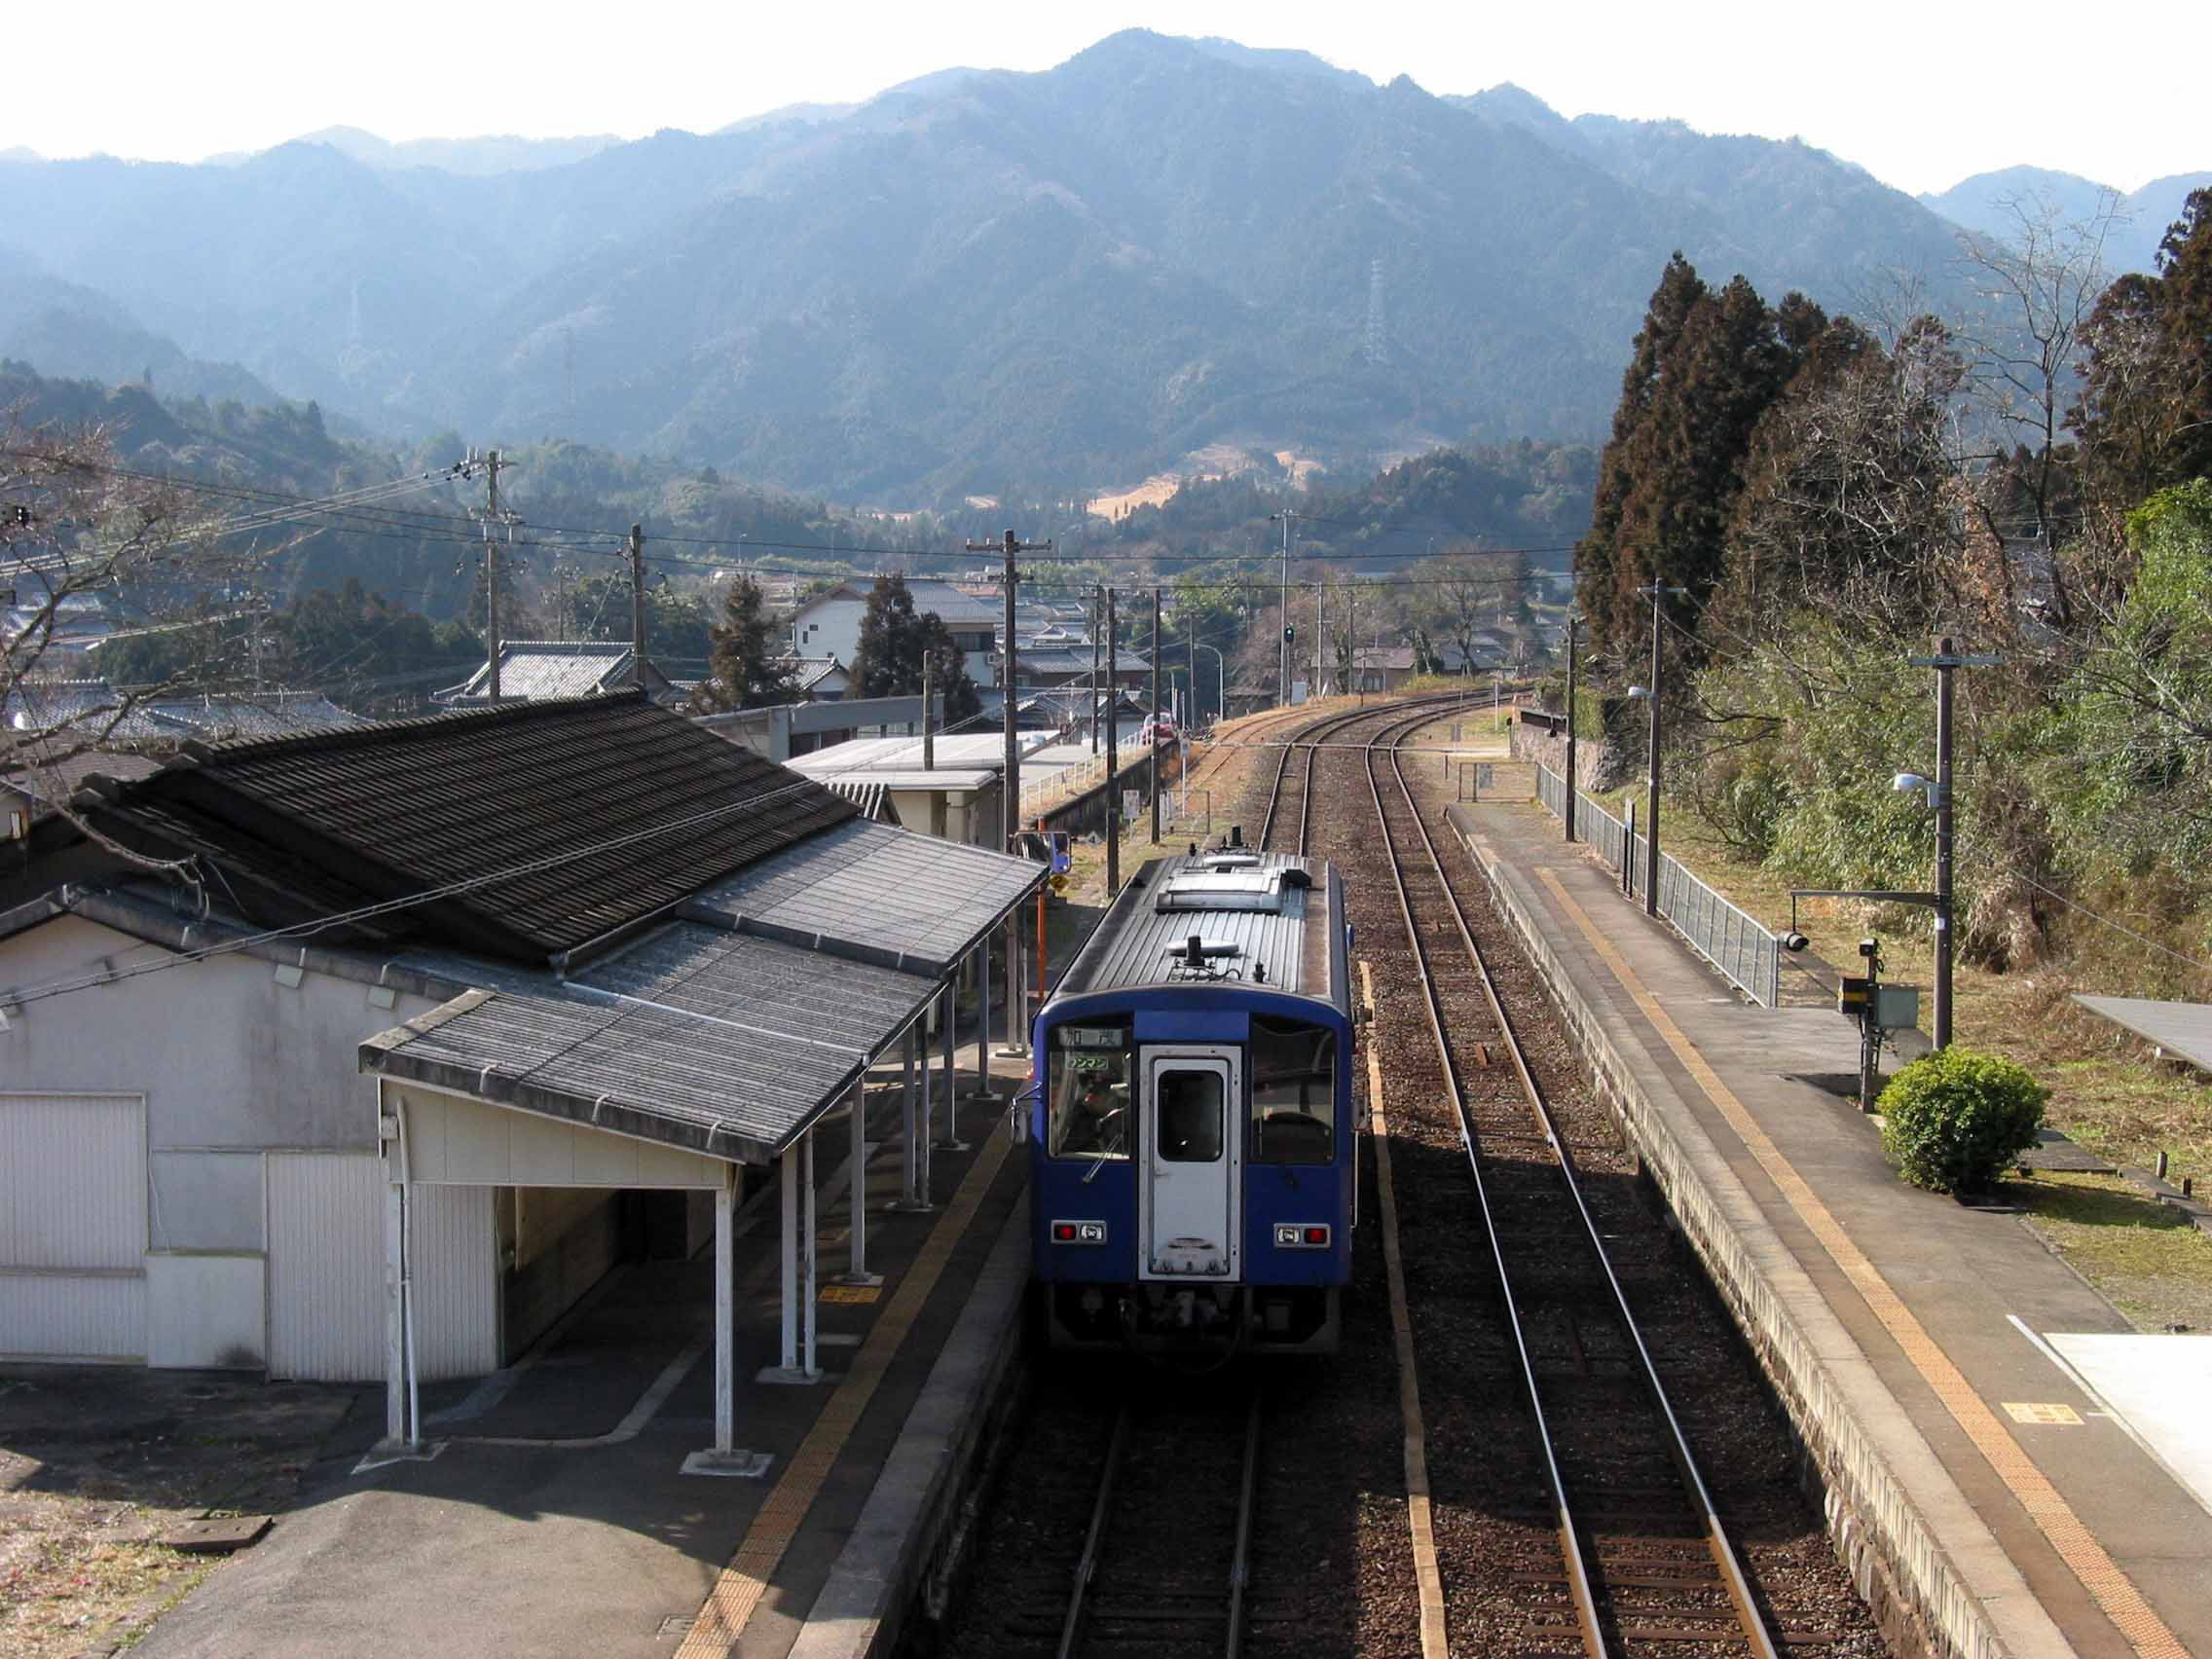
(1158, 728)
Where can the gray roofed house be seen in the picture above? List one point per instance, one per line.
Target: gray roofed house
(830, 623)
(539, 670)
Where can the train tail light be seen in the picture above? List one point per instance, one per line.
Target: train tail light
(1301, 1236)
(1078, 1233)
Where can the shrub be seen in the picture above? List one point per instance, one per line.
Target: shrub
(1954, 1119)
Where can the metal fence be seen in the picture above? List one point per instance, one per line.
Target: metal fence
(1750, 956)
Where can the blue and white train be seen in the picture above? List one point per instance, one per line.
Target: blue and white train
(1192, 1160)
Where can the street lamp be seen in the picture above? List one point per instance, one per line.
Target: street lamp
(1221, 680)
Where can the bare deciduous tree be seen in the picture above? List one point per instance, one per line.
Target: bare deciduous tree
(91, 552)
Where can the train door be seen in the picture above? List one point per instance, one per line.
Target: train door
(1189, 1204)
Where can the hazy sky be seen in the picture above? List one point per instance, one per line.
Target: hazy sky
(1921, 94)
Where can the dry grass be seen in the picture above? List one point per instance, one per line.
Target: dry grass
(2144, 1255)
(95, 1465)
(2107, 1090)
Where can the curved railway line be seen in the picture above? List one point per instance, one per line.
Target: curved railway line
(1597, 1441)
(1608, 1474)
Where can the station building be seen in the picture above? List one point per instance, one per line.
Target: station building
(365, 1054)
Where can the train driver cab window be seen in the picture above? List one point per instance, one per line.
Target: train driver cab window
(1293, 1092)
(1086, 1091)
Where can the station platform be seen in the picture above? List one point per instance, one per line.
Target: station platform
(552, 1510)
(1939, 1362)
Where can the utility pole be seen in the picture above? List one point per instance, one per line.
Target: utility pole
(1097, 605)
(1113, 770)
(1155, 746)
(636, 554)
(929, 720)
(1282, 687)
(1321, 632)
(1567, 814)
(1191, 662)
(1945, 659)
(1011, 784)
(1651, 784)
(493, 518)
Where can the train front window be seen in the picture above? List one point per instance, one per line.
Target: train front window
(1293, 1092)
(1190, 1116)
(1086, 1091)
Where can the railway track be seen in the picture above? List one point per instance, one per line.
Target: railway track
(1643, 1558)
(1135, 1518)
(1165, 1566)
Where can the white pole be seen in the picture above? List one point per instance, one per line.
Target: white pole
(856, 1193)
(407, 1274)
(812, 1288)
(793, 1176)
(725, 1314)
(951, 1141)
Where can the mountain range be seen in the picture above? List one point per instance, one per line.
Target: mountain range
(979, 282)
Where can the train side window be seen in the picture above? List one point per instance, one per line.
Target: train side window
(1190, 1116)
(1293, 1092)
(1087, 1084)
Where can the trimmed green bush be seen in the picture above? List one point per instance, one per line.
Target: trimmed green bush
(1953, 1120)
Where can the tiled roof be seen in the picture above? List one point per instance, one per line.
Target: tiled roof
(541, 668)
(564, 821)
(272, 714)
(59, 781)
(92, 708)
(88, 709)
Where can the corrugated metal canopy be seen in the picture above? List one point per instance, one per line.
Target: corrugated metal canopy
(913, 901)
(2183, 1028)
(727, 1044)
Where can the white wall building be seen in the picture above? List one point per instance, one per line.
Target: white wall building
(830, 623)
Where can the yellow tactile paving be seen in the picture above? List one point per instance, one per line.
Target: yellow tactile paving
(1433, 1643)
(740, 1585)
(2114, 1591)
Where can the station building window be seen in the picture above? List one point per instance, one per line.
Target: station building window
(1293, 1092)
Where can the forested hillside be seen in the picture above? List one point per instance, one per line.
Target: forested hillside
(1030, 286)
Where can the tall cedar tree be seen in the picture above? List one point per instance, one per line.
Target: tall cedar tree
(746, 664)
(1599, 556)
(1668, 488)
(2145, 418)
(895, 640)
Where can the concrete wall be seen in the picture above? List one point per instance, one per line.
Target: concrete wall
(232, 1063)
(1591, 756)
(1086, 814)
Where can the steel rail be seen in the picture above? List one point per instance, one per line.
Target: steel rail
(1309, 737)
(1088, 1565)
(1240, 1569)
(1101, 1511)
(1755, 1633)
(1569, 1538)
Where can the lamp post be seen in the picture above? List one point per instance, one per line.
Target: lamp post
(1566, 807)
(1221, 680)
(1938, 791)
